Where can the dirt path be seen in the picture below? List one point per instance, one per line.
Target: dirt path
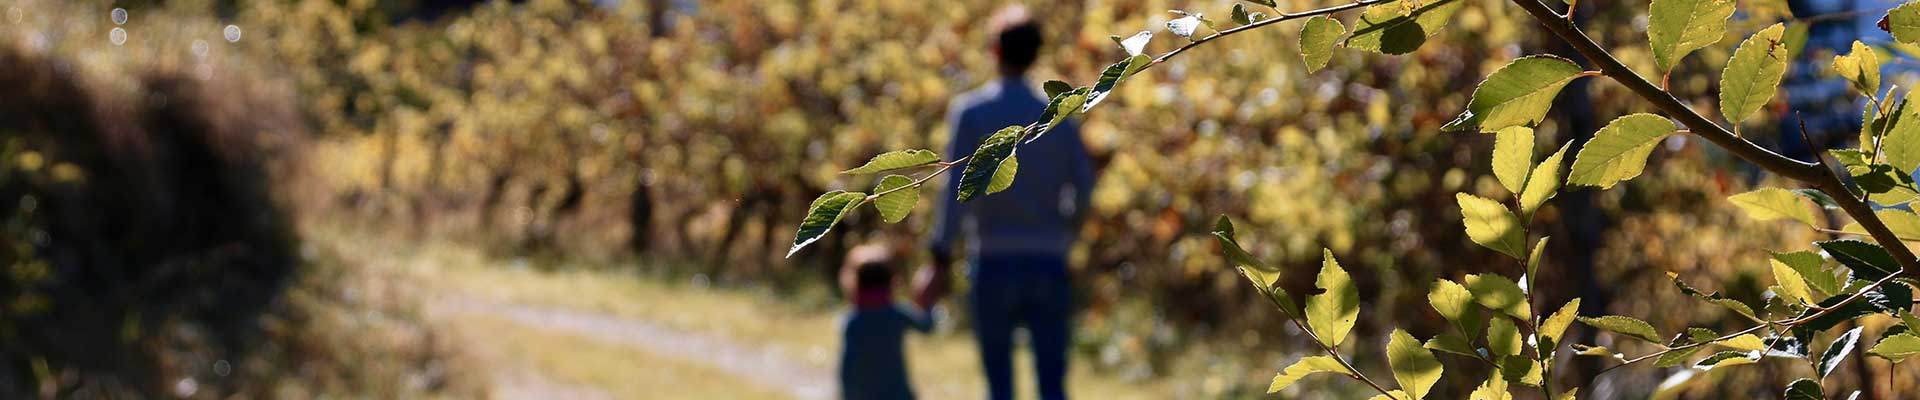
(761, 366)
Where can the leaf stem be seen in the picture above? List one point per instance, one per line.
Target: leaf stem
(1331, 352)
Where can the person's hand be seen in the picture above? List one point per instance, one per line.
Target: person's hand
(930, 283)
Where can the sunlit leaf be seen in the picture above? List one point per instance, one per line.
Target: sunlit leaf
(1499, 294)
(1804, 389)
(1395, 394)
(1676, 28)
(1136, 44)
(1517, 94)
(1064, 105)
(896, 205)
(1413, 365)
(1714, 298)
(1003, 177)
(1861, 67)
(1618, 151)
(1753, 74)
(1185, 25)
(1112, 76)
(1534, 260)
(1791, 285)
(825, 211)
(893, 160)
(1317, 38)
(1812, 268)
(1769, 204)
(1495, 388)
(1330, 314)
(1389, 29)
(1542, 183)
(1513, 157)
(1628, 326)
(1900, 134)
(1726, 359)
(1492, 225)
(1555, 326)
(1452, 344)
(1903, 22)
(983, 168)
(1454, 303)
(1896, 347)
(1306, 366)
(1503, 338)
(1838, 351)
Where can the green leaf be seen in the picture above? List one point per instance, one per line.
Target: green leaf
(1811, 267)
(1306, 366)
(1618, 151)
(1795, 38)
(1055, 88)
(985, 163)
(895, 206)
(1003, 177)
(1867, 260)
(1503, 338)
(1597, 351)
(1769, 204)
(1747, 342)
(1556, 325)
(1395, 394)
(1499, 294)
(1675, 357)
(1522, 370)
(1064, 105)
(893, 160)
(1265, 279)
(1134, 45)
(1838, 351)
(1268, 3)
(1513, 157)
(1240, 14)
(1568, 395)
(1676, 28)
(1112, 76)
(1753, 74)
(1792, 286)
(1388, 29)
(1901, 142)
(1624, 325)
(1896, 347)
(1495, 388)
(1330, 314)
(1317, 39)
(1454, 303)
(1533, 260)
(1805, 389)
(1903, 22)
(1861, 67)
(1492, 225)
(1714, 298)
(1413, 366)
(1885, 185)
(1517, 94)
(1542, 183)
(1726, 359)
(1452, 344)
(825, 211)
(1187, 24)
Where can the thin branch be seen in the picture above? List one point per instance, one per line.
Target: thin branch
(1814, 175)
(1787, 323)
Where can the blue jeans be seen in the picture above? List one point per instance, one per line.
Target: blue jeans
(1011, 291)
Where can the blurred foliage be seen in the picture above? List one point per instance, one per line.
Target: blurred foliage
(701, 130)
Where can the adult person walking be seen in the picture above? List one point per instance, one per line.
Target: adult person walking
(1017, 240)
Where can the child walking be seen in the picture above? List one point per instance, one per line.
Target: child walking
(873, 363)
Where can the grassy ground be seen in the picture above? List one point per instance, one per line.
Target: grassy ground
(943, 364)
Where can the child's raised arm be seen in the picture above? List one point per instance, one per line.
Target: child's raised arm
(930, 284)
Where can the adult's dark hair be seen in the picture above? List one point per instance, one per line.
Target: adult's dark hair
(1016, 38)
